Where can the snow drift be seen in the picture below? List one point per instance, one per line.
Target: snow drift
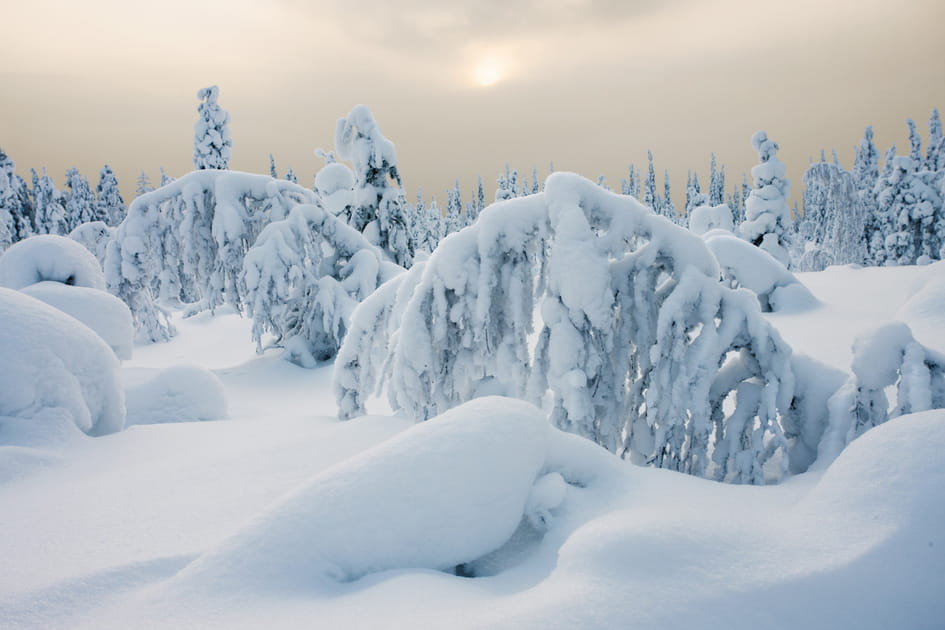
(49, 257)
(177, 394)
(51, 360)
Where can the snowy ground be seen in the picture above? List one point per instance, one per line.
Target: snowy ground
(104, 532)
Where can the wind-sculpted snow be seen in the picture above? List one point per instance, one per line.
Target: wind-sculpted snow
(105, 314)
(438, 495)
(51, 360)
(49, 257)
(186, 241)
(639, 344)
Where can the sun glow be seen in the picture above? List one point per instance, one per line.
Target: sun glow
(488, 72)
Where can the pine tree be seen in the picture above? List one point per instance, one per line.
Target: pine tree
(650, 199)
(143, 184)
(693, 192)
(15, 200)
(454, 209)
(272, 167)
(668, 207)
(213, 146)
(290, 176)
(768, 218)
(165, 178)
(716, 183)
(110, 207)
(536, 185)
(935, 156)
(80, 206)
(909, 208)
(50, 205)
(915, 145)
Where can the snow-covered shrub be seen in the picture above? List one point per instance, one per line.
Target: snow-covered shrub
(705, 218)
(302, 279)
(186, 241)
(883, 357)
(49, 257)
(177, 394)
(744, 265)
(50, 360)
(767, 216)
(105, 314)
(94, 236)
(640, 345)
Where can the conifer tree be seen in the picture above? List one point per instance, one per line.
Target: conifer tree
(272, 167)
(650, 199)
(110, 207)
(50, 205)
(143, 184)
(15, 199)
(80, 206)
(768, 217)
(290, 176)
(213, 146)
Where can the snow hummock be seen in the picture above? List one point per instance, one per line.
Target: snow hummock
(50, 257)
(182, 393)
(108, 316)
(50, 360)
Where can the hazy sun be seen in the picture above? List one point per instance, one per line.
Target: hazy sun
(487, 72)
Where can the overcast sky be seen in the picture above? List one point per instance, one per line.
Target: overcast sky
(464, 87)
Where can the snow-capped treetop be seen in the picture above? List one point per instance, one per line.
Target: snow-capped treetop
(767, 213)
(213, 146)
(110, 206)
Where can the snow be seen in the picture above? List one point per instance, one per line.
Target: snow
(105, 314)
(49, 257)
(182, 393)
(126, 530)
(51, 361)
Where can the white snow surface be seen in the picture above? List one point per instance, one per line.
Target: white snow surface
(183, 393)
(51, 361)
(126, 530)
(105, 314)
(50, 257)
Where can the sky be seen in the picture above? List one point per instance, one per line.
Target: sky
(462, 88)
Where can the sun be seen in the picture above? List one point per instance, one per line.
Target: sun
(488, 72)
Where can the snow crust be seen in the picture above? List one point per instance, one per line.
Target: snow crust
(49, 257)
(50, 360)
(105, 314)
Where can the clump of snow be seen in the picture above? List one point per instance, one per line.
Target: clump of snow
(706, 218)
(94, 236)
(50, 257)
(105, 314)
(442, 493)
(51, 360)
(744, 265)
(177, 394)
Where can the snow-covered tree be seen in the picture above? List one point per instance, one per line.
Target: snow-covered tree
(909, 211)
(833, 230)
(272, 167)
(631, 185)
(650, 198)
(165, 178)
(667, 207)
(380, 212)
(767, 215)
(692, 190)
(50, 205)
(716, 183)
(290, 176)
(454, 210)
(186, 242)
(884, 357)
(16, 206)
(213, 146)
(935, 156)
(110, 207)
(640, 345)
(80, 205)
(143, 184)
(303, 277)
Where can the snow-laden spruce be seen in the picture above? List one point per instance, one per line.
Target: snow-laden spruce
(883, 357)
(185, 242)
(834, 225)
(213, 146)
(380, 209)
(645, 352)
(767, 216)
(302, 279)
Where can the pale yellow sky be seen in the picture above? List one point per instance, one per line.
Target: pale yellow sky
(589, 84)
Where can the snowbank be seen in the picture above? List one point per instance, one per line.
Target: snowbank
(442, 493)
(177, 394)
(50, 257)
(50, 359)
(108, 316)
(707, 218)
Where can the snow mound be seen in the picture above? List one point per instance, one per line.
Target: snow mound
(707, 218)
(176, 394)
(751, 267)
(442, 493)
(94, 236)
(108, 316)
(50, 360)
(925, 310)
(50, 257)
